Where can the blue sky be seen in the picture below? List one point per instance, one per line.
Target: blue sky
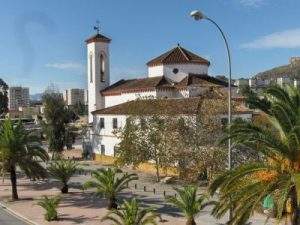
(42, 42)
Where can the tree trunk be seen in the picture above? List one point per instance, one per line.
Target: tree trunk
(190, 221)
(112, 204)
(157, 172)
(295, 207)
(65, 189)
(157, 168)
(13, 180)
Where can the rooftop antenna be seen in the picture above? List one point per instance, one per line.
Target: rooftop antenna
(97, 27)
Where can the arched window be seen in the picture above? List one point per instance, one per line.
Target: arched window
(102, 68)
(91, 68)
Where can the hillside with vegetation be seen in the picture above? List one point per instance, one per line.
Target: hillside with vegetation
(292, 71)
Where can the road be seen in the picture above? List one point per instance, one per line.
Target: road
(8, 219)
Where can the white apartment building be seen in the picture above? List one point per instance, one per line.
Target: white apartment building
(86, 97)
(281, 81)
(241, 82)
(18, 97)
(74, 95)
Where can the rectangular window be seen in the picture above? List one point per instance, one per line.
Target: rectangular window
(115, 123)
(102, 126)
(102, 149)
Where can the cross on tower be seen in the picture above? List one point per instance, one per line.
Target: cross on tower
(97, 27)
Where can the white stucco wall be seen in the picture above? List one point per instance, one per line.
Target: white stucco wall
(155, 71)
(183, 70)
(105, 135)
(160, 93)
(125, 97)
(95, 85)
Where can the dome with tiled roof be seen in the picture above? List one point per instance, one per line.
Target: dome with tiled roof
(178, 55)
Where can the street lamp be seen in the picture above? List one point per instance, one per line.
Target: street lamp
(197, 15)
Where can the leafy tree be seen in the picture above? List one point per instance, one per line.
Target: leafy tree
(146, 137)
(19, 148)
(130, 213)
(155, 141)
(129, 151)
(3, 97)
(188, 142)
(109, 185)
(189, 203)
(254, 101)
(50, 205)
(62, 170)
(58, 116)
(168, 140)
(278, 175)
(80, 109)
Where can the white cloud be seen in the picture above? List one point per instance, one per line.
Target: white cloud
(252, 3)
(65, 65)
(283, 39)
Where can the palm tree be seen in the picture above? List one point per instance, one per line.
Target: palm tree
(50, 205)
(131, 214)
(62, 170)
(19, 148)
(277, 174)
(188, 202)
(108, 184)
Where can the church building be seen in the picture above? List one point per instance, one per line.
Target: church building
(178, 76)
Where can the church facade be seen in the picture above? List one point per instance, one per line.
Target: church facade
(178, 76)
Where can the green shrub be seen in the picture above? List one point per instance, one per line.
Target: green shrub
(62, 170)
(50, 204)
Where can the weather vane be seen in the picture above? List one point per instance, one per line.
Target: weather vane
(97, 27)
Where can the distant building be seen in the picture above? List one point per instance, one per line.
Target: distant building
(86, 97)
(296, 83)
(18, 97)
(30, 112)
(74, 96)
(252, 82)
(294, 61)
(241, 82)
(281, 81)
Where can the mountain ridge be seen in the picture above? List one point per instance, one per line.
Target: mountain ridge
(290, 70)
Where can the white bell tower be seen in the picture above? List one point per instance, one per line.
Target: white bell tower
(97, 70)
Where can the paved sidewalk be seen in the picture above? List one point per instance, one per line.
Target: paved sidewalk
(80, 207)
(8, 219)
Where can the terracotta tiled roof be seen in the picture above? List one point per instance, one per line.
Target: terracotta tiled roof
(98, 38)
(133, 85)
(152, 83)
(151, 106)
(201, 80)
(171, 106)
(178, 55)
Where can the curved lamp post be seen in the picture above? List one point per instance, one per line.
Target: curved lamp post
(198, 15)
